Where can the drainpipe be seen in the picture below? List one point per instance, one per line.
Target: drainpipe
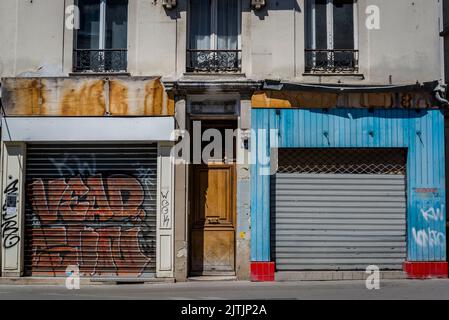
(442, 28)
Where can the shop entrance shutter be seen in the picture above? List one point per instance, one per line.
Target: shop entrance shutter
(339, 209)
(91, 206)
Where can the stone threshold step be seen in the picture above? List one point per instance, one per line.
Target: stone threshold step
(83, 281)
(334, 275)
(212, 278)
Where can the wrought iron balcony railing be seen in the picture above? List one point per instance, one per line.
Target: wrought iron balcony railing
(213, 60)
(332, 61)
(100, 60)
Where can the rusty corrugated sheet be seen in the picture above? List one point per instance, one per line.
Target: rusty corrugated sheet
(86, 96)
(293, 99)
(301, 99)
(137, 97)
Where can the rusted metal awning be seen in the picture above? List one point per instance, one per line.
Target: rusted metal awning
(278, 94)
(86, 96)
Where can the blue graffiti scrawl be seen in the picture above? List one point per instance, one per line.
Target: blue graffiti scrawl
(428, 232)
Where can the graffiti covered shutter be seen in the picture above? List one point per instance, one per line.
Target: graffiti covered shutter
(339, 209)
(92, 206)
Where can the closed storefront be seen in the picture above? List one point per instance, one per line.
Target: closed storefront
(339, 209)
(92, 206)
(101, 208)
(343, 189)
(87, 182)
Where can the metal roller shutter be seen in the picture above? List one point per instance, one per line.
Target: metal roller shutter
(339, 209)
(92, 206)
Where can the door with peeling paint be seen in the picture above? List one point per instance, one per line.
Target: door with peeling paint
(213, 212)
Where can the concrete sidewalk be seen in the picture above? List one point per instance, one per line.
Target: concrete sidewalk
(328, 290)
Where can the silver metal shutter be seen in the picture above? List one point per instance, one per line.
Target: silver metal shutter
(338, 220)
(92, 206)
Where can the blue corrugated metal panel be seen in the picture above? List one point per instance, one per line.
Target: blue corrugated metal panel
(421, 132)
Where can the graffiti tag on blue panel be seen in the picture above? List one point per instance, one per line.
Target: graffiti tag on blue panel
(428, 232)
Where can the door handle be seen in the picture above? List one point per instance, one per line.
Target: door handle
(213, 220)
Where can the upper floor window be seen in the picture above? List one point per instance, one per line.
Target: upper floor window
(331, 36)
(101, 41)
(214, 36)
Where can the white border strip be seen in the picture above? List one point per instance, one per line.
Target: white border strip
(87, 129)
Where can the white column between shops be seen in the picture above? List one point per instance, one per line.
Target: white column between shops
(165, 217)
(13, 208)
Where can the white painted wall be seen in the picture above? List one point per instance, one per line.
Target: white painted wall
(407, 46)
(51, 129)
(165, 213)
(12, 181)
(31, 36)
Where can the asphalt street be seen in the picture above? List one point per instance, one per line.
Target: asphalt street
(328, 290)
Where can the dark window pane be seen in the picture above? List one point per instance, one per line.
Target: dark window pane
(320, 24)
(227, 24)
(116, 24)
(88, 34)
(343, 24)
(200, 24)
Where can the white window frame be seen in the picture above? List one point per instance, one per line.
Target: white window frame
(311, 16)
(102, 31)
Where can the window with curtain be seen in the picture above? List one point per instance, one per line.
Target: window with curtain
(331, 36)
(101, 41)
(214, 32)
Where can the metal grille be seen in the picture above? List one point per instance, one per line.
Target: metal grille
(104, 60)
(332, 61)
(214, 60)
(342, 161)
(92, 206)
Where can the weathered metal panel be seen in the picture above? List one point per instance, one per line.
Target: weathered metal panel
(86, 96)
(291, 99)
(136, 97)
(420, 131)
(338, 221)
(92, 206)
(315, 99)
(53, 97)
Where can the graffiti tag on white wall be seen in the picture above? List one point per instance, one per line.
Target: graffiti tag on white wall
(10, 228)
(165, 209)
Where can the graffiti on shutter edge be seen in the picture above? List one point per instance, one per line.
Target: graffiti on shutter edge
(10, 229)
(97, 222)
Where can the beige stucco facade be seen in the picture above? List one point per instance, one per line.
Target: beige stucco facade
(35, 41)
(406, 48)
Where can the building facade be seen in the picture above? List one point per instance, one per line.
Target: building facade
(335, 110)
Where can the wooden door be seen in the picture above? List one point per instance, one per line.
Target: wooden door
(213, 217)
(213, 231)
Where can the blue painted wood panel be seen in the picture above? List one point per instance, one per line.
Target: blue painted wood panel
(420, 131)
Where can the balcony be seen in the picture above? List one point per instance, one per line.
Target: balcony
(321, 61)
(100, 60)
(214, 61)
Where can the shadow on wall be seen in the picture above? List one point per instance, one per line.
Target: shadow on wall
(285, 5)
(277, 5)
(379, 113)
